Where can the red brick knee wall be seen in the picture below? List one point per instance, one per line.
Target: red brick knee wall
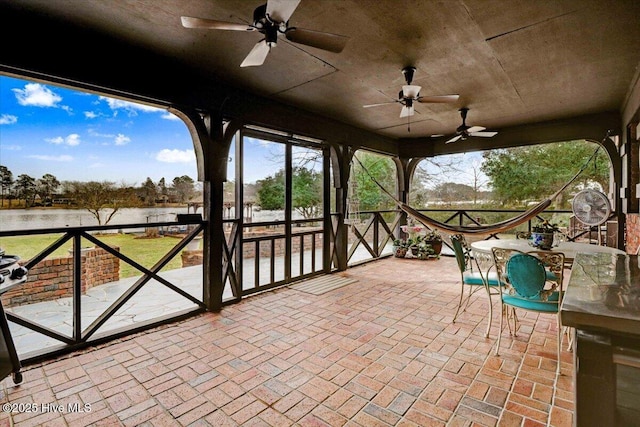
(633, 233)
(191, 258)
(53, 278)
(264, 247)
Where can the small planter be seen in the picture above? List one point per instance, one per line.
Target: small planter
(540, 240)
(400, 251)
(436, 245)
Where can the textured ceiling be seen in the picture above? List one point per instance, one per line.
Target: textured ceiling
(512, 62)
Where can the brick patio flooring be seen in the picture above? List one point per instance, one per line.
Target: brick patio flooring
(379, 352)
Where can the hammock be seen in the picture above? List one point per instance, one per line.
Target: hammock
(497, 227)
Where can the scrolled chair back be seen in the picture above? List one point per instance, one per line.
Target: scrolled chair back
(500, 258)
(554, 272)
(527, 274)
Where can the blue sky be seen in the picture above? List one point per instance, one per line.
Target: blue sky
(79, 136)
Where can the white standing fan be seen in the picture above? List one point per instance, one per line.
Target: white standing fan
(591, 208)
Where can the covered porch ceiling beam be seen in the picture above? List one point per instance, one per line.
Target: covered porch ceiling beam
(590, 127)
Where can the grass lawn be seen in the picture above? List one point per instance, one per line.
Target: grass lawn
(144, 251)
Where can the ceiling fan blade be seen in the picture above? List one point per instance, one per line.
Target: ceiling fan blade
(438, 99)
(411, 91)
(257, 55)
(407, 111)
(281, 10)
(473, 129)
(211, 24)
(325, 41)
(377, 105)
(454, 139)
(483, 134)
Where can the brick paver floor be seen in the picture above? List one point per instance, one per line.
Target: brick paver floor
(382, 351)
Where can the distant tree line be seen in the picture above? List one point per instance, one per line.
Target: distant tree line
(516, 176)
(102, 198)
(45, 190)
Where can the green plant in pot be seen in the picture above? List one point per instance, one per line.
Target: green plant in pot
(542, 235)
(414, 243)
(400, 248)
(433, 238)
(426, 251)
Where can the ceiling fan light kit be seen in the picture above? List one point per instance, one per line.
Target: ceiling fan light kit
(464, 131)
(410, 94)
(271, 19)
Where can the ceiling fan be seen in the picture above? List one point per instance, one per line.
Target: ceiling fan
(464, 131)
(411, 93)
(270, 19)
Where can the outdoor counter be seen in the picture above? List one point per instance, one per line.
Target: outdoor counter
(602, 303)
(603, 293)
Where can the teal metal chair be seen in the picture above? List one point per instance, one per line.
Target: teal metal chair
(533, 282)
(474, 279)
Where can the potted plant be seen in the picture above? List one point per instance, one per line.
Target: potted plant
(542, 235)
(425, 250)
(414, 243)
(400, 248)
(433, 238)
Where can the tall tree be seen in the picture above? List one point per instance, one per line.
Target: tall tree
(184, 188)
(149, 192)
(163, 190)
(6, 182)
(26, 189)
(306, 194)
(103, 199)
(48, 184)
(380, 168)
(532, 173)
(271, 191)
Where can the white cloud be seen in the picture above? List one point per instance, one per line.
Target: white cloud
(90, 115)
(62, 158)
(93, 132)
(131, 107)
(71, 140)
(122, 139)
(37, 95)
(169, 116)
(57, 140)
(176, 156)
(8, 119)
(12, 147)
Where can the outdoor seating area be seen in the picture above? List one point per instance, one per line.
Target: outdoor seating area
(425, 221)
(380, 351)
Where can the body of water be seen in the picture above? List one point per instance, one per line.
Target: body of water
(36, 218)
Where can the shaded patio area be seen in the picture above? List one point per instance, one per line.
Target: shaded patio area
(381, 351)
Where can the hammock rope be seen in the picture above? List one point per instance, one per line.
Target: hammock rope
(497, 227)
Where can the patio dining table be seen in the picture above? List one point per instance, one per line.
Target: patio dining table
(483, 255)
(483, 248)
